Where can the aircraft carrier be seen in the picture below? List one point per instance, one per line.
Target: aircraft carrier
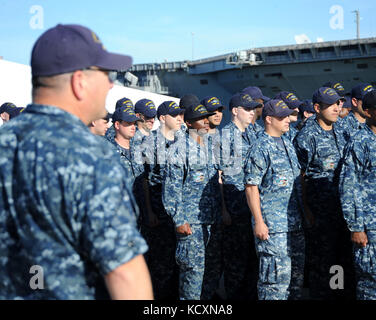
(299, 68)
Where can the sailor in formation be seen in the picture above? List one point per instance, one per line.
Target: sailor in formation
(260, 201)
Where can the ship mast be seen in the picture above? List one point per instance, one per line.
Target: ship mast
(357, 23)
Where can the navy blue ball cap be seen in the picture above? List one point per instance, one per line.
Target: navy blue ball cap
(307, 106)
(212, 103)
(325, 95)
(70, 47)
(360, 90)
(125, 114)
(169, 107)
(243, 100)
(337, 87)
(146, 107)
(124, 102)
(187, 100)
(276, 108)
(347, 103)
(14, 112)
(289, 98)
(369, 100)
(255, 93)
(196, 111)
(7, 107)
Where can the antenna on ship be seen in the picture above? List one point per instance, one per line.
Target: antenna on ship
(192, 45)
(357, 23)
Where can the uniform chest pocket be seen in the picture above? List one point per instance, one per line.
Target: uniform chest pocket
(327, 160)
(371, 168)
(197, 173)
(281, 175)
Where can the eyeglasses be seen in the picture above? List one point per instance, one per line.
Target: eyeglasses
(112, 75)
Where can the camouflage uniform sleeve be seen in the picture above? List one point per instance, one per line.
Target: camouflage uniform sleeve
(172, 191)
(255, 166)
(109, 234)
(350, 188)
(304, 150)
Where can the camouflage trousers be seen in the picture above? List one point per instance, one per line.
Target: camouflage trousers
(160, 259)
(328, 244)
(199, 260)
(281, 266)
(365, 267)
(240, 267)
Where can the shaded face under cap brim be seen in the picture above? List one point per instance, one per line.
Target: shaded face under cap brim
(332, 100)
(175, 112)
(294, 104)
(114, 62)
(150, 114)
(255, 105)
(128, 119)
(283, 113)
(214, 108)
(198, 116)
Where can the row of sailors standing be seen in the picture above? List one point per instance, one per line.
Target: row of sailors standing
(301, 188)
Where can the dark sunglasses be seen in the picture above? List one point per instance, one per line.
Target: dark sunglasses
(112, 75)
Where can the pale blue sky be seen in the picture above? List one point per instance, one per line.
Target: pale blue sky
(155, 31)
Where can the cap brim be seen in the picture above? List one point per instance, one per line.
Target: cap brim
(255, 104)
(128, 119)
(198, 116)
(334, 100)
(285, 113)
(266, 99)
(150, 114)
(295, 104)
(175, 112)
(215, 108)
(114, 62)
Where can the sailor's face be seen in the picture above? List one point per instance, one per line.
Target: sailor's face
(201, 125)
(215, 119)
(246, 115)
(126, 129)
(148, 122)
(258, 111)
(173, 122)
(294, 116)
(330, 112)
(281, 124)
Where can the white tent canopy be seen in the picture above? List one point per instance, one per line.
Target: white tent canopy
(15, 87)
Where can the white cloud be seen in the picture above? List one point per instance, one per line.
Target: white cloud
(302, 38)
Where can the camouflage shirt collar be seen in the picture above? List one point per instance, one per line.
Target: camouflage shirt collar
(371, 134)
(50, 110)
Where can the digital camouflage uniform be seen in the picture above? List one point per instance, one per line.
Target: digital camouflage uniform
(239, 253)
(161, 238)
(191, 194)
(110, 134)
(276, 172)
(65, 206)
(358, 198)
(291, 134)
(311, 121)
(136, 172)
(350, 125)
(214, 250)
(328, 241)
